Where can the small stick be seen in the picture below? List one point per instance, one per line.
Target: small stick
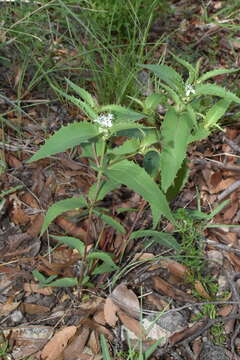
(229, 190)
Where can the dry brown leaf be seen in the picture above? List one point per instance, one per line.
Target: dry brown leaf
(72, 229)
(99, 317)
(132, 324)
(77, 345)
(200, 289)
(36, 226)
(215, 178)
(93, 343)
(7, 308)
(159, 303)
(225, 310)
(55, 347)
(13, 161)
(34, 308)
(110, 310)
(230, 212)
(223, 185)
(175, 268)
(92, 305)
(30, 200)
(34, 288)
(99, 328)
(126, 299)
(171, 291)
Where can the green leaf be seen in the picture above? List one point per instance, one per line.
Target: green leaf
(130, 129)
(108, 264)
(152, 348)
(214, 73)
(151, 162)
(128, 147)
(104, 347)
(151, 136)
(188, 66)
(92, 148)
(162, 238)
(72, 242)
(105, 188)
(137, 179)
(110, 221)
(215, 90)
(64, 282)
(175, 132)
(122, 113)
(168, 75)
(216, 112)
(39, 276)
(60, 207)
(172, 94)
(179, 182)
(65, 138)
(199, 134)
(152, 101)
(103, 268)
(83, 93)
(218, 209)
(79, 103)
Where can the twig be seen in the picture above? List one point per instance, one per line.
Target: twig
(229, 190)
(232, 144)
(217, 164)
(222, 246)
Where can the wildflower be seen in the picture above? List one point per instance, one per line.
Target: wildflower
(189, 90)
(105, 120)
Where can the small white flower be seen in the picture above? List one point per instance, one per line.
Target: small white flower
(189, 90)
(105, 120)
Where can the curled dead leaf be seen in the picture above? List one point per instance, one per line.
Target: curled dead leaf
(55, 347)
(110, 311)
(132, 324)
(201, 290)
(126, 299)
(77, 344)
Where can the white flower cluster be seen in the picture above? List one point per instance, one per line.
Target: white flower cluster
(105, 120)
(189, 90)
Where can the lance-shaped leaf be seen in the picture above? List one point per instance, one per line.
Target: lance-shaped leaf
(65, 138)
(108, 263)
(216, 112)
(162, 238)
(213, 73)
(136, 178)
(215, 90)
(175, 131)
(110, 221)
(79, 103)
(72, 242)
(168, 75)
(122, 113)
(60, 207)
(83, 93)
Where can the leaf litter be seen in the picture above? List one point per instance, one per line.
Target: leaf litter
(72, 325)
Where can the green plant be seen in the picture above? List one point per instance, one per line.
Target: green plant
(163, 150)
(4, 349)
(131, 354)
(190, 226)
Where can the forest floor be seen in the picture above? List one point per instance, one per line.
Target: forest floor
(157, 305)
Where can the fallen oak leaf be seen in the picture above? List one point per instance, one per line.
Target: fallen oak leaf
(171, 291)
(55, 347)
(132, 324)
(77, 344)
(110, 310)
(126, 299)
